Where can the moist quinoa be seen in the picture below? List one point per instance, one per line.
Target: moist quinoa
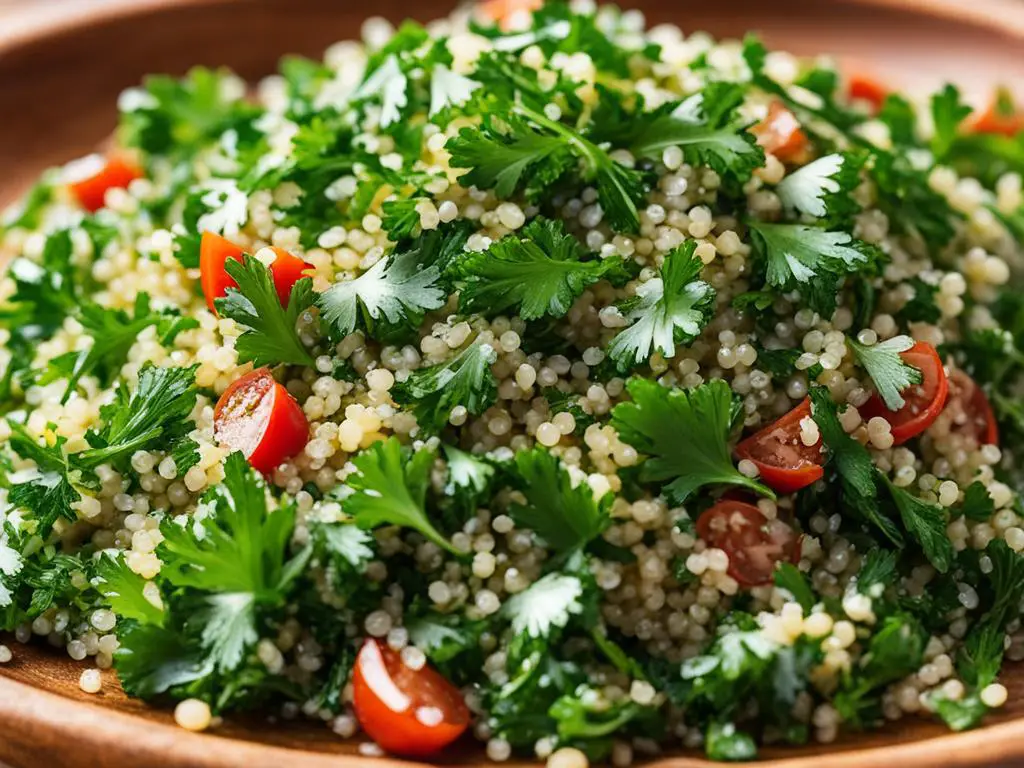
(594, 389)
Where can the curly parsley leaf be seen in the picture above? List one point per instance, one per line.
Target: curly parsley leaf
(684, 434)
(397, 289)
(564, 515)
(271, 337)
(537, 272)
(809, 259)
(668, 310)
(464, 380)
(886, 368)
(390, 488)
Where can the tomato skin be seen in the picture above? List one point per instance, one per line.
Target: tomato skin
(923, 402)
(753, 543)
(967, 399)
(780, 134)
(387, 695)
(214, 252)
(503, 12)
(864, 87)
(258, 417)
(992, 120)
(784, 473)
(118, 172)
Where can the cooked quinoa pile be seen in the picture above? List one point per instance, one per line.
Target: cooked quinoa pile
(644, 391)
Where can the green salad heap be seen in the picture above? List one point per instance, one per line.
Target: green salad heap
(590, 389)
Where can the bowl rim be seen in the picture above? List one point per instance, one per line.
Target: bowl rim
(29, 711)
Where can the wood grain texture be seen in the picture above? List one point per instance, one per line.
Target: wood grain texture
(60, 74)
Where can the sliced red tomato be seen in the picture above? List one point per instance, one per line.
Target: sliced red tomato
(1000, 117)
(258, 417)
(969, 411)
(409, 712)
(781, 135)
(753, 543)
(864, 87)
(116, 171)
(785, 463)
(922, 402)
(214, 252)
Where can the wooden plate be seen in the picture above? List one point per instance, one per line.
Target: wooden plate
(62, 65)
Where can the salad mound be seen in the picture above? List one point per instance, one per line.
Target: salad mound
(591, 389)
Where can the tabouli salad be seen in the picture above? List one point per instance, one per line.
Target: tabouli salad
(592, 389)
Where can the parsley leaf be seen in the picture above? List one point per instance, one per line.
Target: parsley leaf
(545, 605)
(853, 463)
(789, 578)
(536, 272)
(123, 589)
(113, 332)
(48, 495)
(667, 310)
(823, 188)
(464, 380)
(391, 489)
(977, 504)
(565, 516)
(398, 288)
(809, 259)
(271, 337)
(684, 433)
(155, 412)
(948, 112)
(886, 368)
(926, 523)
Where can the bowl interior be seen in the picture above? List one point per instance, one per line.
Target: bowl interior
(59, 81)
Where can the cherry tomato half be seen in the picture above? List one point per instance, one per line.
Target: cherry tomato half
(864, 87)
(214, 252)
(781, 135)
(258, 417)
(410, 712)
(922, 402)
(968, 411)
(785, 463)
(116, 171)
(753, 543)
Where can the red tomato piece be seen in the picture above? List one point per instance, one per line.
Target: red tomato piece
(117, 171)
(922, 402)
(968, 410)
(864, 87)
(503, 12)
(753, 543)
(785, 463)
(258, 417)
(781, 135)
(214, 252)
(991, 120)
(409, 712)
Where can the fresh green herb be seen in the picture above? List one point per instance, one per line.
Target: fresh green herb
(823, 189)
(391, 489)
(789, 578)
(464, 380)
(977, 504)
(545, 605)
(926, 523)
(538, 272)
(668, 310)
(123, 589)
(684, 434)
(886, 368)
(564, 515)
(271, 336)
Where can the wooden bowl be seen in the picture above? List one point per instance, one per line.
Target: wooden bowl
(61, 68)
